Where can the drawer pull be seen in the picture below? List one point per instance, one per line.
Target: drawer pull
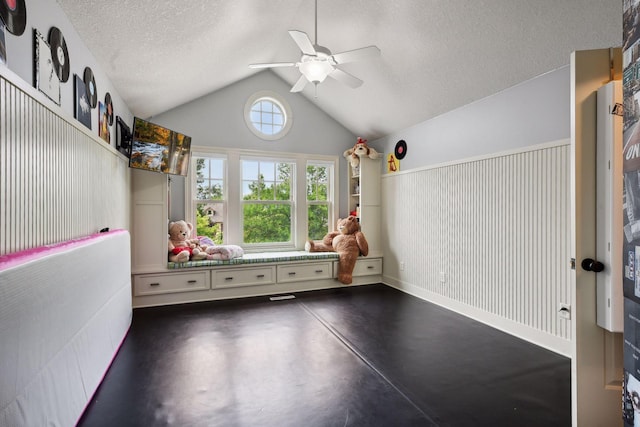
(192, 281)
(154, 284)
(228, 278)
(319, 271)
(292, 273)
(370, 267)
(260, 276)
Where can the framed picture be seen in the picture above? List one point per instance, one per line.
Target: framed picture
(123, 137)
(103, 123)
(46, 79)
(81, 109)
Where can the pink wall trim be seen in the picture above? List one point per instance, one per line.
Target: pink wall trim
(18, 258)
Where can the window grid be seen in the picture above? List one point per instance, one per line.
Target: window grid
(209, 198)
(267, 116)
(267, 201)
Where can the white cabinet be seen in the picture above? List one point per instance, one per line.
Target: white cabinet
(368, 267)
(237, 277)
(154, 284)
(364, 197)
(150, 215)
(298, 272)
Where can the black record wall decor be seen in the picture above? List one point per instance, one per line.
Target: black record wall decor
(401, 149)
(14, 15)
(59, 54)
(90, 84)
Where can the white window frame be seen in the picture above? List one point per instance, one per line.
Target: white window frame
(291, 202)
(191, 184)
(280, 102)
(330, 202)
(233, 194)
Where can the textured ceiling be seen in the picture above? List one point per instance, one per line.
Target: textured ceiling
(437, 55)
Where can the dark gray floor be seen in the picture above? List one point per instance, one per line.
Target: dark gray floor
(356, 356)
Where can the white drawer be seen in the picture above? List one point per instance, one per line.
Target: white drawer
(168, 283)
(368, 267)
(297, 272)
(243, 277)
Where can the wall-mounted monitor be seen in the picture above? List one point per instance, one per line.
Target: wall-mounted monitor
(158, 149)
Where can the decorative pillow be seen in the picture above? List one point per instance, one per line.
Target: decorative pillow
(224, 252)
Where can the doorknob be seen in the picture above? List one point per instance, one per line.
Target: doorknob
(589, 264)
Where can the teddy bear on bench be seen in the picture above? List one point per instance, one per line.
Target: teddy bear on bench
(348, 241)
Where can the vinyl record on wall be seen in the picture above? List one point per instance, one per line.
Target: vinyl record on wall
(401, 149)
(90, 83)
(14, 15)
(109, 105)
(59, 54)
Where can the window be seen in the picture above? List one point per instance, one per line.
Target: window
(268, 115)
(318, 199)
(261, 200)
(267, 201)
(209, 202)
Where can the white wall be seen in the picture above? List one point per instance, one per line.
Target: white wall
(478, 200)
(217, 120)
(42, 15)
(533, 112)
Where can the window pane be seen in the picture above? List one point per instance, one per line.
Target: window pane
(209, 221)
(267, 223)
(318, 221)
(209, 179)
(317, 182)
(278, 119)
(249, 170)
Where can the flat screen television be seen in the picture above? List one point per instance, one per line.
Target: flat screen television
(158, 149)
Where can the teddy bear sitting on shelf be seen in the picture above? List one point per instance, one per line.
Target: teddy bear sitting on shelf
(361, 149)
(181, 247)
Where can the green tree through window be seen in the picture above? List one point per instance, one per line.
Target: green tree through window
(267, 201)
(210, 198)
(317, 201)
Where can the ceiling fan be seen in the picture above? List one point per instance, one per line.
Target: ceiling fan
(317, 62)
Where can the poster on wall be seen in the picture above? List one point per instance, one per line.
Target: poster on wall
(46, 79)
(81, 109)
(631, 213)
(103, 123)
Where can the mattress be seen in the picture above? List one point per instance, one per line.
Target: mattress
(64, 312)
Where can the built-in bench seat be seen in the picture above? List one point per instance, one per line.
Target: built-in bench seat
(265, 273)
(258, 258)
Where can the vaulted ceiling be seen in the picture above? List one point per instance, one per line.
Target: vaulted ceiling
(436, 55)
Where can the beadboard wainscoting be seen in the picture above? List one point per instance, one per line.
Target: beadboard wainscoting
(58, 180)
(487, 237)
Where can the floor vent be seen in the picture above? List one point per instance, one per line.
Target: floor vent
(282, 297)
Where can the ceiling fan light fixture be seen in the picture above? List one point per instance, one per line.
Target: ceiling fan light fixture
(316, 70)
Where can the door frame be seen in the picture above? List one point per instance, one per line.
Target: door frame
(593, 402)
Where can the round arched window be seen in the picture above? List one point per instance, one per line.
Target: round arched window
(268, 115)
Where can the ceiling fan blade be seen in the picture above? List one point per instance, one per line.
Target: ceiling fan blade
(356, 54)
(300, 84)
(346, 78)
(272, 65)
(302, 40)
